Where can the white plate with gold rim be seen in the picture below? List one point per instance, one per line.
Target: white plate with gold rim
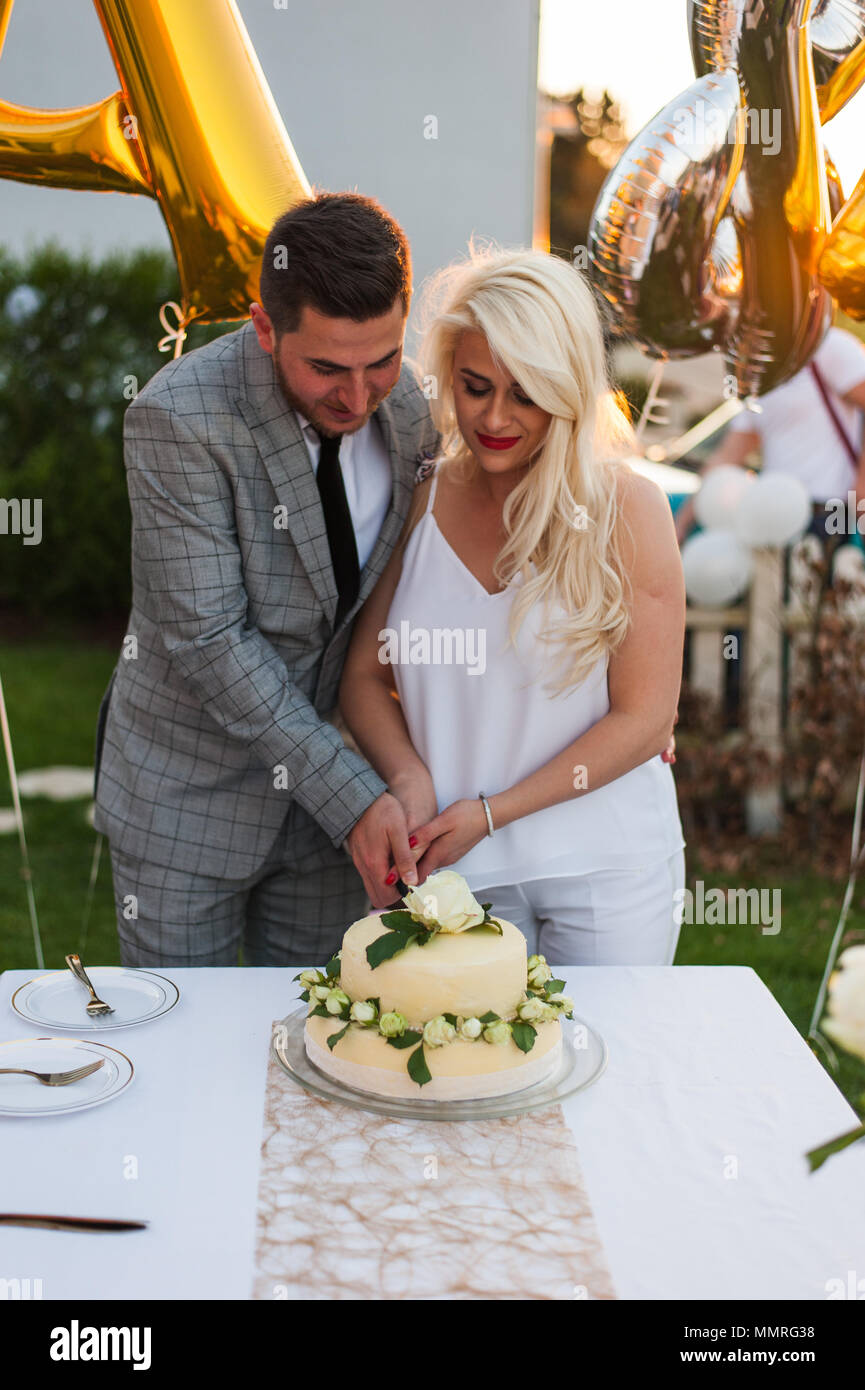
(60, 1001)
(27, 1097)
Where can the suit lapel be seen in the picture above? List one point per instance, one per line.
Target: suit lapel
(278, 438)
(397, 511)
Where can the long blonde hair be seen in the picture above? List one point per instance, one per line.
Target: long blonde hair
(541, 323)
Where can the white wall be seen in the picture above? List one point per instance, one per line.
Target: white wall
(353, 80)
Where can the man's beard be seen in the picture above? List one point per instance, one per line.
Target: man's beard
(311, 414)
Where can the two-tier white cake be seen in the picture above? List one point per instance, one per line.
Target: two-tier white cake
(436, 1001)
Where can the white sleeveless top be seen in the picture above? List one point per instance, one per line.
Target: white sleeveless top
(479, 717)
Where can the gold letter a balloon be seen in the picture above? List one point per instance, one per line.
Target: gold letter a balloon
(194, 126)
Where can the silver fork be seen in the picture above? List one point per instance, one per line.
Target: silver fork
(55, 1078)
(96, 1006)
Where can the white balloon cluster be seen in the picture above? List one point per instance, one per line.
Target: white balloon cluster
(740, 512)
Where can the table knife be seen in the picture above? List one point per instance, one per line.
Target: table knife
(68, 1223)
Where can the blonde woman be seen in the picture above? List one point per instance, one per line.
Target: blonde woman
(531, 622)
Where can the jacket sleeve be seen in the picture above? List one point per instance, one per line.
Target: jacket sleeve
(188, 574)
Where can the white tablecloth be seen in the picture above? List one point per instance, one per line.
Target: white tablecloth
(707, 1077)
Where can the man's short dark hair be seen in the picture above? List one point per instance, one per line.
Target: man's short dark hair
(342, 254)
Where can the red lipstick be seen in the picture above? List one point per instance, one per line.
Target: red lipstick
(491, 442)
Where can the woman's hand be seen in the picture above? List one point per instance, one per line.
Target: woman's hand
(447, 837)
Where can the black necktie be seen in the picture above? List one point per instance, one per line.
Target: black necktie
(340, 531)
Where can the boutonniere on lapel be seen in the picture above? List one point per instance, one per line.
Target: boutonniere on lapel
(424, 465)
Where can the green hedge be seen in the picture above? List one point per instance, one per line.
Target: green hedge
(73, 331)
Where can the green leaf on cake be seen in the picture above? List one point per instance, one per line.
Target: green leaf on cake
(319, 1012)
(389, 945)
(332, 968)
(489, 1017)
(425, 936)
(398, 920)
(523, 1035)
(491, 921)
(377, 1003)
(304, 996)
(417, 1067)
(333, 1038)
(405, 1040)
(451, 1018)
(554, 987)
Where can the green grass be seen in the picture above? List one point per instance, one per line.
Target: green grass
(53, 687)
(790, 963)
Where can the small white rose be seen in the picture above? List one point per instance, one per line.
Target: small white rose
(320, 992)
(336, 1001)
(446, 901)
(309, 978)
(498, 1032)
(532, 1010)
(539, 974)
(392, 1024)
(438, 1032)
(470, 1028)
(562, 1003)
(362, 1012)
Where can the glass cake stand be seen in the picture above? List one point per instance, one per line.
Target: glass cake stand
(584, 1057)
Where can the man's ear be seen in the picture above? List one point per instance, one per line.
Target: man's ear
(263, 328)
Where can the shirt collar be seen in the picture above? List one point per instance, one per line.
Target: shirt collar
(304, 423)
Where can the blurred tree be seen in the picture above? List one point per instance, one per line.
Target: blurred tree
(78, 339)
(588, 138)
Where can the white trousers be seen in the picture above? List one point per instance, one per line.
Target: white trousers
(612, 917)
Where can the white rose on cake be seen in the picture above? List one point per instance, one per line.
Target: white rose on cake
(446, 901)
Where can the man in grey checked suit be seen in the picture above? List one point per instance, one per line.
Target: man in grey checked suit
(231, 803)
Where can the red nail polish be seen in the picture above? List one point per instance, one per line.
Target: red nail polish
(412, 839)
(391, 878)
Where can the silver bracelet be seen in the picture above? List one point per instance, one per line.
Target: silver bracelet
(487, 812)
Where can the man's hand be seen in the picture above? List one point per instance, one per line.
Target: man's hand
(378, 839)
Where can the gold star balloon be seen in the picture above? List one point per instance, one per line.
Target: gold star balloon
(194, 125)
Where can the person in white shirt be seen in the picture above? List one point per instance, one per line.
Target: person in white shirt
(810, 427)
(531, 623)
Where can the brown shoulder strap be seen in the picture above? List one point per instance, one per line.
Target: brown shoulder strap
(833, 414)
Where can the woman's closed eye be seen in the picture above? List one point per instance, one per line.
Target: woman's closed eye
(519, 397)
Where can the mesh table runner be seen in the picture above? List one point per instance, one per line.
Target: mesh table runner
(353, 1205)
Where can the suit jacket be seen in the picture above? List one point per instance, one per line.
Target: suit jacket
(214, 720)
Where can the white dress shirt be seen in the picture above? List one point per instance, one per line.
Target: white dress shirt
(796, 431)
(366, 475)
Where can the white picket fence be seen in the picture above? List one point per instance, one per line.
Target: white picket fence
(770, 627)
